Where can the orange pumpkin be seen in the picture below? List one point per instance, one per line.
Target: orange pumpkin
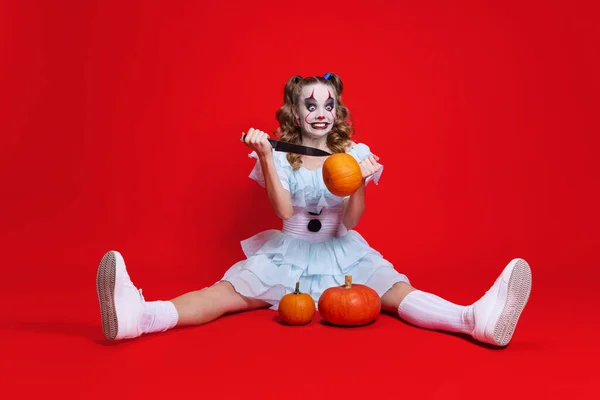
(297, 308)
(349, 305)
(341, 174)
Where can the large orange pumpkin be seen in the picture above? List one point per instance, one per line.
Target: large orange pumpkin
(297, 308)
(341, 174)
(349, 305)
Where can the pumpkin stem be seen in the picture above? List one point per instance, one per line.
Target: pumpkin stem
(348, 281)
(297, 288)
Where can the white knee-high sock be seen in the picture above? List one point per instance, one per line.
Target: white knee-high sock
(158, 316)
(429, 311)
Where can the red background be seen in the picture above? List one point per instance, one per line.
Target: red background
(120, 130)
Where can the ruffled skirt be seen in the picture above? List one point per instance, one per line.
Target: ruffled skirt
(276, 260)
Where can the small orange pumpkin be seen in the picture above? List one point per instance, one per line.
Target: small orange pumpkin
(341, 174)
(297, 308)
(349, 305)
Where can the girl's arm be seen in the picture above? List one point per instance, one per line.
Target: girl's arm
(354, 207)
(279, 198)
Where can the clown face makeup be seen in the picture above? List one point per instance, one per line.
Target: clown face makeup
(316, 110)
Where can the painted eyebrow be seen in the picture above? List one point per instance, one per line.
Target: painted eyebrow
(312, 96)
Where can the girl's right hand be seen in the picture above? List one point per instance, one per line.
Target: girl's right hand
(369, 166)
(257, 141)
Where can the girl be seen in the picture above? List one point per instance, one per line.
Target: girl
(316, 246)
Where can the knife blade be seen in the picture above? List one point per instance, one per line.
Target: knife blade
(296, 148)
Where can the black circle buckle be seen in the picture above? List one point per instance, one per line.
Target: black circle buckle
(314, 225)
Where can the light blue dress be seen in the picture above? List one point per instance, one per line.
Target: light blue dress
(277, 259)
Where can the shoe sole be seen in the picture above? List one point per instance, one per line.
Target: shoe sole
(519, 288)
(105, 287)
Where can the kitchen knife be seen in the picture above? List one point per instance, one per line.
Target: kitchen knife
(295, 148)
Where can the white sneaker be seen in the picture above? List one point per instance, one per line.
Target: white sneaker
(121, 303)
(497, 312)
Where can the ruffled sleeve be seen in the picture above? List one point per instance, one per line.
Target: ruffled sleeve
(361, 151)
(282, 166)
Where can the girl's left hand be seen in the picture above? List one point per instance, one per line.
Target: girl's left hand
(369, 166)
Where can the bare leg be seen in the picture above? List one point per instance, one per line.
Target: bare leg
(208, 304)
(126, 314)
(391, 300)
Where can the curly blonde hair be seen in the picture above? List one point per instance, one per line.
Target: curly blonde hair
(338, 139)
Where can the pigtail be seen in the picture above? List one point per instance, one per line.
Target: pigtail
(290, 89)
(336, 81)
(343, 128)
(284, 114)
(289, 130)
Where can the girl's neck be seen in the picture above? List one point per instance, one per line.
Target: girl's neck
(318, 143)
